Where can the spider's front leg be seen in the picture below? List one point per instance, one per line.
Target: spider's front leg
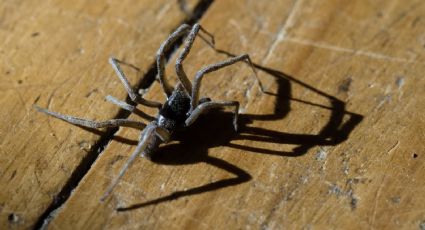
(151, 131)
(160, 56)
(180, 32)
(181, 74)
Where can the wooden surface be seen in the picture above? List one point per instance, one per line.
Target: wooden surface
(338, 141)
(55, 54)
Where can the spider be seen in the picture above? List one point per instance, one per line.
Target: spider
(182, 107)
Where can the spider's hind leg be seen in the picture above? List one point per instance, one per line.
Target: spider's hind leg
(205, 106)
(93, 124)
(214, 67)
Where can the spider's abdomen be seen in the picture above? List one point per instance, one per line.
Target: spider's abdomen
(174, 111)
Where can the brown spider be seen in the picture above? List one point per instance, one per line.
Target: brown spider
(181, 108)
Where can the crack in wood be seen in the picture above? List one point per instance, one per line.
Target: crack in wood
(83, 168)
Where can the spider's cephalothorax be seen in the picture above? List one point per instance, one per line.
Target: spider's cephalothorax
(175, 110)
(181, 108)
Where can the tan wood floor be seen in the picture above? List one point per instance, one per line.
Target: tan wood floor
(337, 142)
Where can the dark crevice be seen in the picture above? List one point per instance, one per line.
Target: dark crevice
(78, 174)
(82, 169)
(198, 12)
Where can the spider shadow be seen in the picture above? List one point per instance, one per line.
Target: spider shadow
(215, 129)
(334, 132)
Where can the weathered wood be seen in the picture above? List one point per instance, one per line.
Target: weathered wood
(54, 54)
(341, 148)
(341, 145)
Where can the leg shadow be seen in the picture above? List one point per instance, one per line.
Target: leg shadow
(215, 129)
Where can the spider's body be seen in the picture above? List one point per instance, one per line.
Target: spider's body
(175, 110)
(181, 108)
(171, 117)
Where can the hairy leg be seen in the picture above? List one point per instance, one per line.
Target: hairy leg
(93, 124)
(141, 146)
(160, 56)
(186, 49)
(214, 67)
(182, 31)
(134, 97)
(121, 104)
(204, 107)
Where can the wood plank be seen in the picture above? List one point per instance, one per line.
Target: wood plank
(54, 54)
(339, 146)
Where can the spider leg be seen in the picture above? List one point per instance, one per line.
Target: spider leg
(168, 43)
(204, 107)
(134, 97)
(163, 134)
(131, 108)
(141, 146)
(93, 124)
(214, 67)
(186, 49)
(121, 104)
(160, 56)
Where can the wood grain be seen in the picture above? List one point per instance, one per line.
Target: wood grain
(54, 54)
(339, 146)
(338, 141)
